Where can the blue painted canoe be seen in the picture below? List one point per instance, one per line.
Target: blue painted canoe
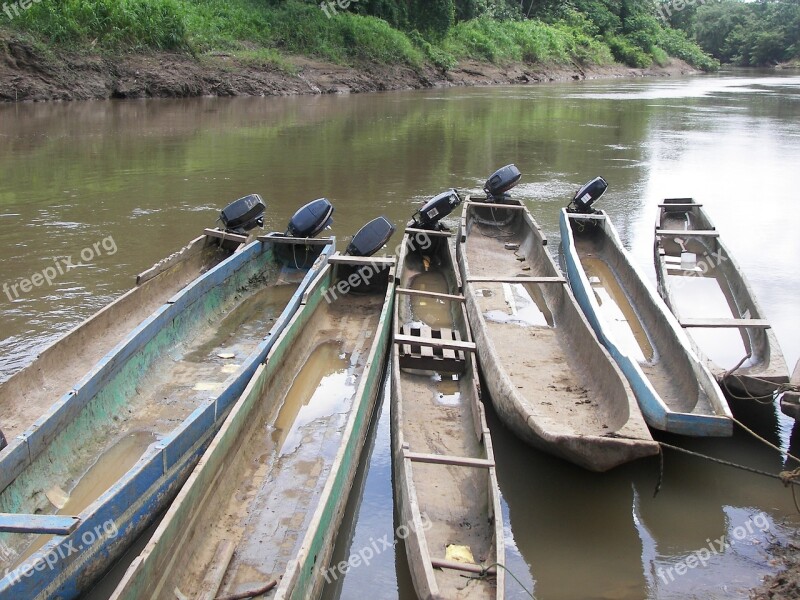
(30, 392)
(115, 450)
(675, 391)
(267, 498)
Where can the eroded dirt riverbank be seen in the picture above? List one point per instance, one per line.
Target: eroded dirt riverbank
(29, 74)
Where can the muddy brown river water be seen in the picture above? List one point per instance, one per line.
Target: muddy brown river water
(112, 187)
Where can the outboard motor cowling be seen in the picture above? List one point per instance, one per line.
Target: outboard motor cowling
(244, 214)
(588, 195)
(371, 237)
(311, 219)
(502, 181)
(436, 209)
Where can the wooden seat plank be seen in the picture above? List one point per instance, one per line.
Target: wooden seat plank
(444, 459)
(687, 233)
(406, 339)
(427, 294)
(430, 232)
(720, 323)
(513, 279)
(41, 524)
(495, 205)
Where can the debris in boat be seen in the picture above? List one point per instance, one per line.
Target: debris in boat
(461, 554)
(230, 368)
(226, 355)
(57, 497)
(206, 386)
(510, 246)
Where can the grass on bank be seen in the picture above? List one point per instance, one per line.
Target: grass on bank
(258, 31)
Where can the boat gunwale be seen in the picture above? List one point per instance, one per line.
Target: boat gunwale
(169, 457)
(657, 413)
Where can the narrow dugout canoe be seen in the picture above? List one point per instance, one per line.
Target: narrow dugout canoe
(696, 276)
(550, 379)
(676, 392)
(445, 482)
(265, 501)
(111, 454)
(30, 392)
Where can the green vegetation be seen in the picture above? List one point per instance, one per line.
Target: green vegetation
(744, 33)
(411, 32)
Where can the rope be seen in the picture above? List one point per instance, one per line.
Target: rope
(766, 398)
(485, 572)
(660, 470)
(785, 477)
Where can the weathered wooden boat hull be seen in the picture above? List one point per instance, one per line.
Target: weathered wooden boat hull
(69, 563)
(790, 400)
(683, 397)
(30, 392)
(765, 370)
(201, 514)
(550, 379)
(445, 483)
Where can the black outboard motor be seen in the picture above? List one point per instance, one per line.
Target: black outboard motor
(371, 237)
(588, 195)
(311, 220)
(436, 209)
(243, 215)
(502, 181)
(3, 442)
(371, 276)
(308, 222)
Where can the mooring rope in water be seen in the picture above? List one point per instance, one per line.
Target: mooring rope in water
(485, 572)
(785, 477)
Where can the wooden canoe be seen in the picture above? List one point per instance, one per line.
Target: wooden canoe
(111, 454)
(675, 390)
(445, 483)
(790, 400)
(30, 392)
(265, 501)
(709, 280)
(550, 379)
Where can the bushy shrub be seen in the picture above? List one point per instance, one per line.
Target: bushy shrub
(108, 23)
(626, 52)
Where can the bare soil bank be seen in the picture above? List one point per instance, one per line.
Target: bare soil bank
(27, 74)
(785, 584)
